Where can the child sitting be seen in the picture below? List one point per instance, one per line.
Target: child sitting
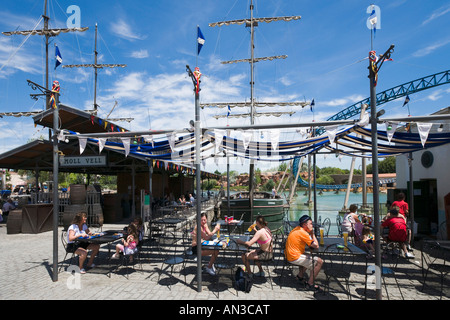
(129, 245)
(367, 239)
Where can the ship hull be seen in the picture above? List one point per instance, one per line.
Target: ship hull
(272, 209)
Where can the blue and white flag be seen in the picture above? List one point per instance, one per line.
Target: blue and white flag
(57, 56)
(229, 111)
(312, 105)
(200, 40)
(406, 101)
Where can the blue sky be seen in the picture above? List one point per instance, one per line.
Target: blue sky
(156, 39)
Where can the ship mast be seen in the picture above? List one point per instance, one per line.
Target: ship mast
(252, 23)
(47, 33)
(97, 66)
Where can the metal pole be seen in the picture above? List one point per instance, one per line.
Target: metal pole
(373, 70)
(55, 188)
(197, 180)
(376, 214)
(411, 194)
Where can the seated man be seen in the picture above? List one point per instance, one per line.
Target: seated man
(397, 230)
(300, 237)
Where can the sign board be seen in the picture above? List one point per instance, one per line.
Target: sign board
(80, 161)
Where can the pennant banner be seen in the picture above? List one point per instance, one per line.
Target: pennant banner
(82, 142)
(126, 145)
(246, 138)
(218, 134)
(390, 129)
(274, 136)
(424, 129)
(101, 144)
(331, 132)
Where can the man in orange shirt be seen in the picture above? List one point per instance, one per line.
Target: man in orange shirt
(300, 237)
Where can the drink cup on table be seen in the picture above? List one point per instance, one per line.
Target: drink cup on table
(321, 236)
(345, 234)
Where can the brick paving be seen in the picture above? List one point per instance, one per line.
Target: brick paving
(26, 274)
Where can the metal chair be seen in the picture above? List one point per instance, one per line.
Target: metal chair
(66, 249)
(236, 226)
(168, 248)
(227, 259)
(268, 261)
(326, 226)
(338, 265)
(127, 259)
(435, 258)
(339, 225)
(284, 261)
(391, 255)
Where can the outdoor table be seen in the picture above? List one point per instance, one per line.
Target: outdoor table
(213, 244)
(228, 224)
(106, 237)
(352, 250)
(167, 222)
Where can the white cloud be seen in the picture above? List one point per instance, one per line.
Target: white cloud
(22, 60)
(343, 101)
(438, 13)
(123, 30)
(140, 54)
(427, 50)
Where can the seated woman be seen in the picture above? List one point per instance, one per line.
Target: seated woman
(263, 237)
(205, 235)
(396, 224)
(350, 219)
(77, 230)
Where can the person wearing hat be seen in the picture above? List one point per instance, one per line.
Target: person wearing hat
(300, 237)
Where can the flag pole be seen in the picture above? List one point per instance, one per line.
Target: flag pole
(196, 47)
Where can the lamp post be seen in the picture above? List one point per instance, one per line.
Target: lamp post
(374, 66)
(195, 76)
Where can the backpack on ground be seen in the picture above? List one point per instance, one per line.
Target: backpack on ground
(242, 281)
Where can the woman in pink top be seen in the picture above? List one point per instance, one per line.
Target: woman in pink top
(263, 237)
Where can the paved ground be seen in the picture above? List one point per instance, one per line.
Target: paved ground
(26, 274)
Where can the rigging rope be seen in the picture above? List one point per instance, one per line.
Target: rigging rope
(20, 46)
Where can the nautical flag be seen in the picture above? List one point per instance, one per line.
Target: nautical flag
(57, 56)
(406, 101)
(200, 40)
(229, 111)
(311, 105)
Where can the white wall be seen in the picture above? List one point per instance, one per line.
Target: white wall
(440, 170)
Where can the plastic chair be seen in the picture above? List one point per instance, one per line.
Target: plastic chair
(435, 258)
(68, 251)
(338, 265)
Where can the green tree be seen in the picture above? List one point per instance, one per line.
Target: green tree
(385, 166)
